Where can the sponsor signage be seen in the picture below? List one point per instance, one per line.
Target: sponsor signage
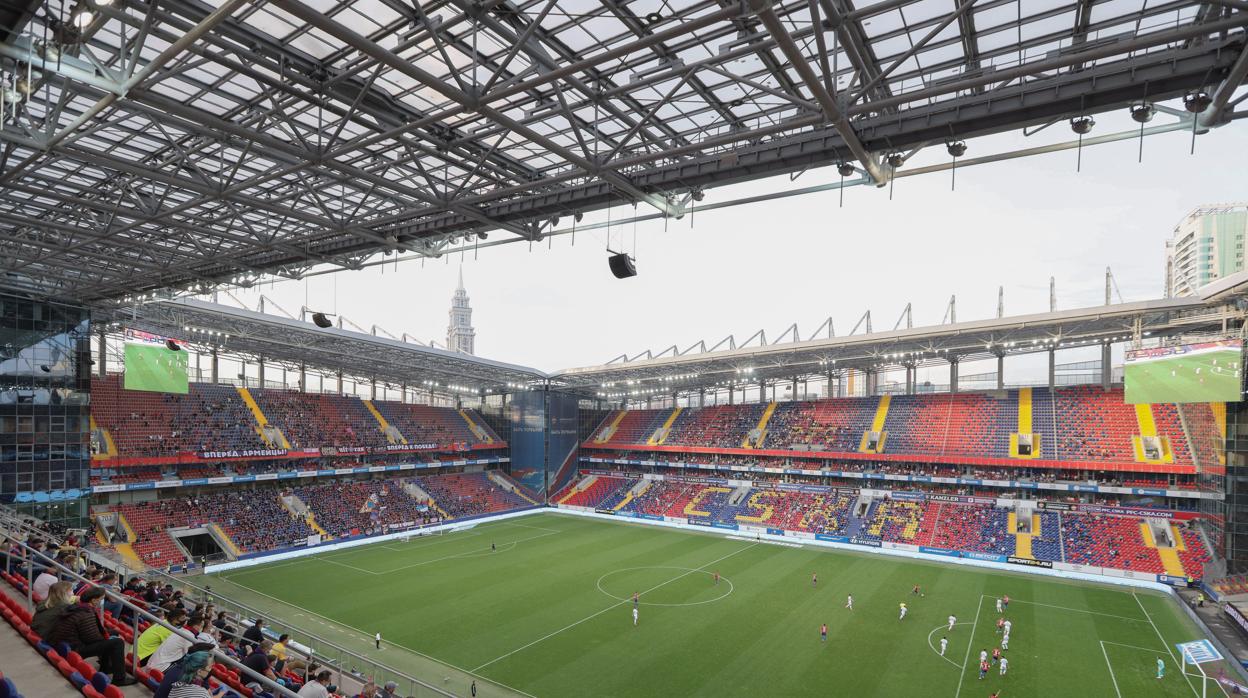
(1237, 617)
(983, 556)
(1028, 562)
(870, 543)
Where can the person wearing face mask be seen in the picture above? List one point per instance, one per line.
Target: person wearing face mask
(82, 627)
(174, 673)
(196, 667)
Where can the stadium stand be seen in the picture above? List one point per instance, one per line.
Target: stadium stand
(213, 417)
(1094, 539)
(1075, 425)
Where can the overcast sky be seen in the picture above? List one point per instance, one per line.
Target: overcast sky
(801, 259)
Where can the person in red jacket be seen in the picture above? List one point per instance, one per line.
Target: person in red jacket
(81, 626)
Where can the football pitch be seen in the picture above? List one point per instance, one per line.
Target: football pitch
(1205, 377)
(548, 612)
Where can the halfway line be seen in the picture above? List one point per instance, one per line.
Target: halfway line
(611, 607)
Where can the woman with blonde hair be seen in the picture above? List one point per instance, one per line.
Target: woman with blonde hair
(60, 597)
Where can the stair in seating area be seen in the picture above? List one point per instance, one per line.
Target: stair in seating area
(755, 438)
(392, 433)
(1025, 424)
(580, 486)
(126, 549)
(420, 494)
(660, 434)
(1022, 541)
(108, 446)
(506, 483)
(269, 432)
(227, 544)
(605, 434)
(1169, 554)
(481, 434)
(877, 426)
(1148, 432)
(633, 493)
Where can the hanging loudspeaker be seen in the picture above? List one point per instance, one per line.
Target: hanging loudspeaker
(320, 320)
(172, 345)
(622, 265)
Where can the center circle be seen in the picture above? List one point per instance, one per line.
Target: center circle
(666, 584)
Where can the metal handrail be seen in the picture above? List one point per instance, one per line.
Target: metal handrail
(29, 555)
(307, 637)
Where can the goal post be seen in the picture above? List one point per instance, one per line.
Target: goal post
(1195, 655)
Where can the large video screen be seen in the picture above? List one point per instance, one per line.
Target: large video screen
(1204, 372)
(155, 368)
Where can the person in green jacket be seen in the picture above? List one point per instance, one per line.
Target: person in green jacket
(151, 639)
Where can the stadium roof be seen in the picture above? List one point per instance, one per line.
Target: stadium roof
(388, 360)
(396, 360)
(185, 144)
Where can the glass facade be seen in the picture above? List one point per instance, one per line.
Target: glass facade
(45, 431)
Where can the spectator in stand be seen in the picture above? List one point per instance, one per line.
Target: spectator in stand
(222, 624)
(196, 668)
(255, 634)
(174, 673)
(390, 690)
(82, 628)
(177, 644)
(318, 687)
(151, 639)
(44, 582)
(60, 597)
(260, 660)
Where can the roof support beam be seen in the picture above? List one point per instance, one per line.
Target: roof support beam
(470, 102)
(825, 99)
(1213, 115)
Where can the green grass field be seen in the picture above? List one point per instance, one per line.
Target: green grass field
(154, 368)
(549, 614)
(1203, 377)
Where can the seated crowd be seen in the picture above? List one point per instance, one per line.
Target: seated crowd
(213, 417)
(1096, 539)
(263, 518)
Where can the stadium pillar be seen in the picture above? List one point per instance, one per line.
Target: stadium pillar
(214, 365)
(1052, 368)
(701, 397)
(403, 394)
(103, 360)
(260, 372)
(731, 390)
(1107, 373)
(340, 383)
(828, 392)
(794, 395)
(1000, 371)
(372, 389)
(303, 377)
(953, 375)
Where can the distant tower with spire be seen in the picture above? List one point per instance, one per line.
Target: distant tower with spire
(460, 336)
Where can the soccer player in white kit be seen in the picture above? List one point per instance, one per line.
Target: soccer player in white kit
(998, 604)
(903, 612)
(983, 656)
(1005, 642)
(849, 602)
(1004, 663)
(952, 621)
(634, 615)
(944, 642)
(1008, 625)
